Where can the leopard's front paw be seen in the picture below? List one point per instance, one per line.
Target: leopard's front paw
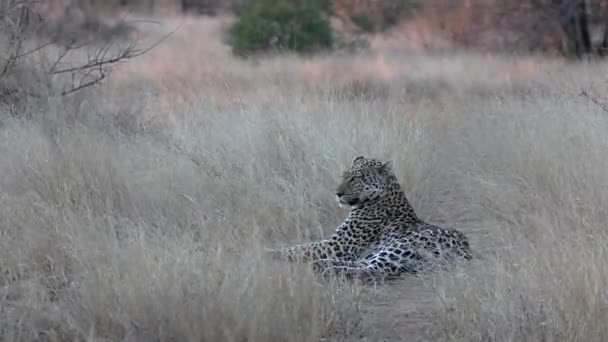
(274, 254)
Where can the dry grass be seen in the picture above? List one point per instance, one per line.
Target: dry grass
(137, 211)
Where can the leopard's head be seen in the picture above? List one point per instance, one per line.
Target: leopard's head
(366, 180)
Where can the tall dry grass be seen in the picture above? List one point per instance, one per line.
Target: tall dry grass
(137, 211)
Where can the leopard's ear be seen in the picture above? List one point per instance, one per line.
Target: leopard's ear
(385, 167)
(358, 159)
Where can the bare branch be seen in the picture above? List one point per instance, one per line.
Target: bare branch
(586, 95)
(59, 59)
(100, 59)
(99, 64)
(34, 50)
(83, 85)
(15, 18)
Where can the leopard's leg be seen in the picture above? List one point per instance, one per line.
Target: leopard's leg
(394, 258)
(311, 251)
(463, 248)
(446, 247)
(351, 269)
(336, 267)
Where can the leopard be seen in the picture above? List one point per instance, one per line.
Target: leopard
(382, 237)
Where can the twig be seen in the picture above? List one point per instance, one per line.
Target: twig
(99, 65)
(82, 84)
(96, 67)
(29, 52)
(594, 100)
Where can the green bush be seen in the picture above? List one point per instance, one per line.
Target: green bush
(363, 21)
(296, 25)
(392, 11)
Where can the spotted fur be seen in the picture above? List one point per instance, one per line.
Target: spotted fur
(382, 236)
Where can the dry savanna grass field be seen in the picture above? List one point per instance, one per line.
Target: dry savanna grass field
(138, 210)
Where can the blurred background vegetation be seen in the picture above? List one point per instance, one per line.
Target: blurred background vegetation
(106, 33)
(570, 27)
